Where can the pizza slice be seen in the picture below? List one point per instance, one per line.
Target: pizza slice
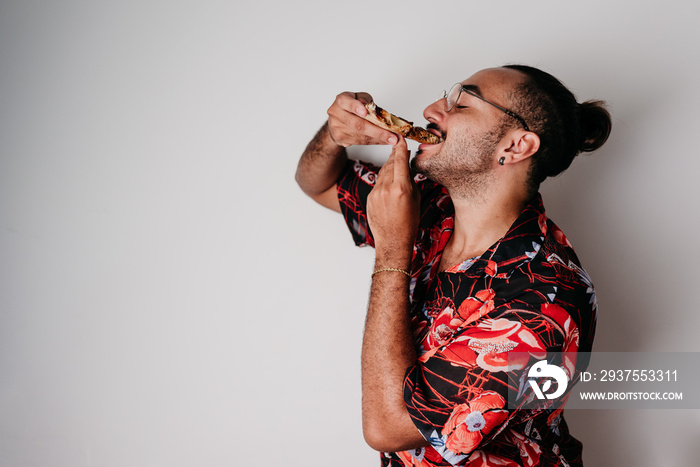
(384, 119)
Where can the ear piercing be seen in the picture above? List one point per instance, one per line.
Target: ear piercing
(501, 161)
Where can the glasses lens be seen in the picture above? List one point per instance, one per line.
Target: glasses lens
(453, 95)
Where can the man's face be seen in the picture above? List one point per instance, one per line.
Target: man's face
(472, 130)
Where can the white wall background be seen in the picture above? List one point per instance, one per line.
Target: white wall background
(170, 298)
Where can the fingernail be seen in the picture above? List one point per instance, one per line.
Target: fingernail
(393, 140)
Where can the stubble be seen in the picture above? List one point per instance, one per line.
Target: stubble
(464, 164)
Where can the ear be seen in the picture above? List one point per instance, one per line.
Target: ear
(521, 145)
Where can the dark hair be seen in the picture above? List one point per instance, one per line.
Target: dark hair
(564, 126)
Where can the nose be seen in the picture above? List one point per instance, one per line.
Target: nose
(435, 112)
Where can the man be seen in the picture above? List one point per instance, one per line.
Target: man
(469, 272)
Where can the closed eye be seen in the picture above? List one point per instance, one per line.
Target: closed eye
(461, 106)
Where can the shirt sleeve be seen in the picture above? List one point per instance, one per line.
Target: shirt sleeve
(354, 186)
(357, 181)
(457, 394)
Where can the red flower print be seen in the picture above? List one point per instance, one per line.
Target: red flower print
(529, 451)
(542, 222)
(484, 459)
(470, 422)
(571, 333)
(443, 325)
(434, 308)
(442, 328)
(421, 457)
(477, 306)
(491, 268)
(494, 338)
(560, 237)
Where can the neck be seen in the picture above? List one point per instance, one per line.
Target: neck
(479, 223)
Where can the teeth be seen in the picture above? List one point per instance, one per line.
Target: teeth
(438, 133)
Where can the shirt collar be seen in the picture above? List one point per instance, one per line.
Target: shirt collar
(519, 245)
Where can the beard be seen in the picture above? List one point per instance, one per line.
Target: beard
(464, 165)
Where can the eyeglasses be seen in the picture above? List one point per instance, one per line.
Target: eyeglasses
(452, 96)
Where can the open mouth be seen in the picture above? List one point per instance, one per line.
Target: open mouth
(434, 129)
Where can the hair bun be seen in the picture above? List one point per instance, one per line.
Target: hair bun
(595, 124)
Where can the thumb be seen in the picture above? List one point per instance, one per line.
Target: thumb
(400, 147)
(401, 154)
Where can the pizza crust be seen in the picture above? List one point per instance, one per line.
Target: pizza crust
(391, 122)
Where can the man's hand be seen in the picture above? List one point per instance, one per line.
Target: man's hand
(324, 158)
(388, 350)
(393, 210)
(347, 125)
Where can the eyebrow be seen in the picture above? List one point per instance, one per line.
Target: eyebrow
(472, 88)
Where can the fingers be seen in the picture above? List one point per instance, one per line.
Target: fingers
(354, 102)
(393, 204)
(363, 97)
(347, 125)
(396, 167)
(400, 154)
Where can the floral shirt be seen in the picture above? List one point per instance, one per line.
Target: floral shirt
(527, 293)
